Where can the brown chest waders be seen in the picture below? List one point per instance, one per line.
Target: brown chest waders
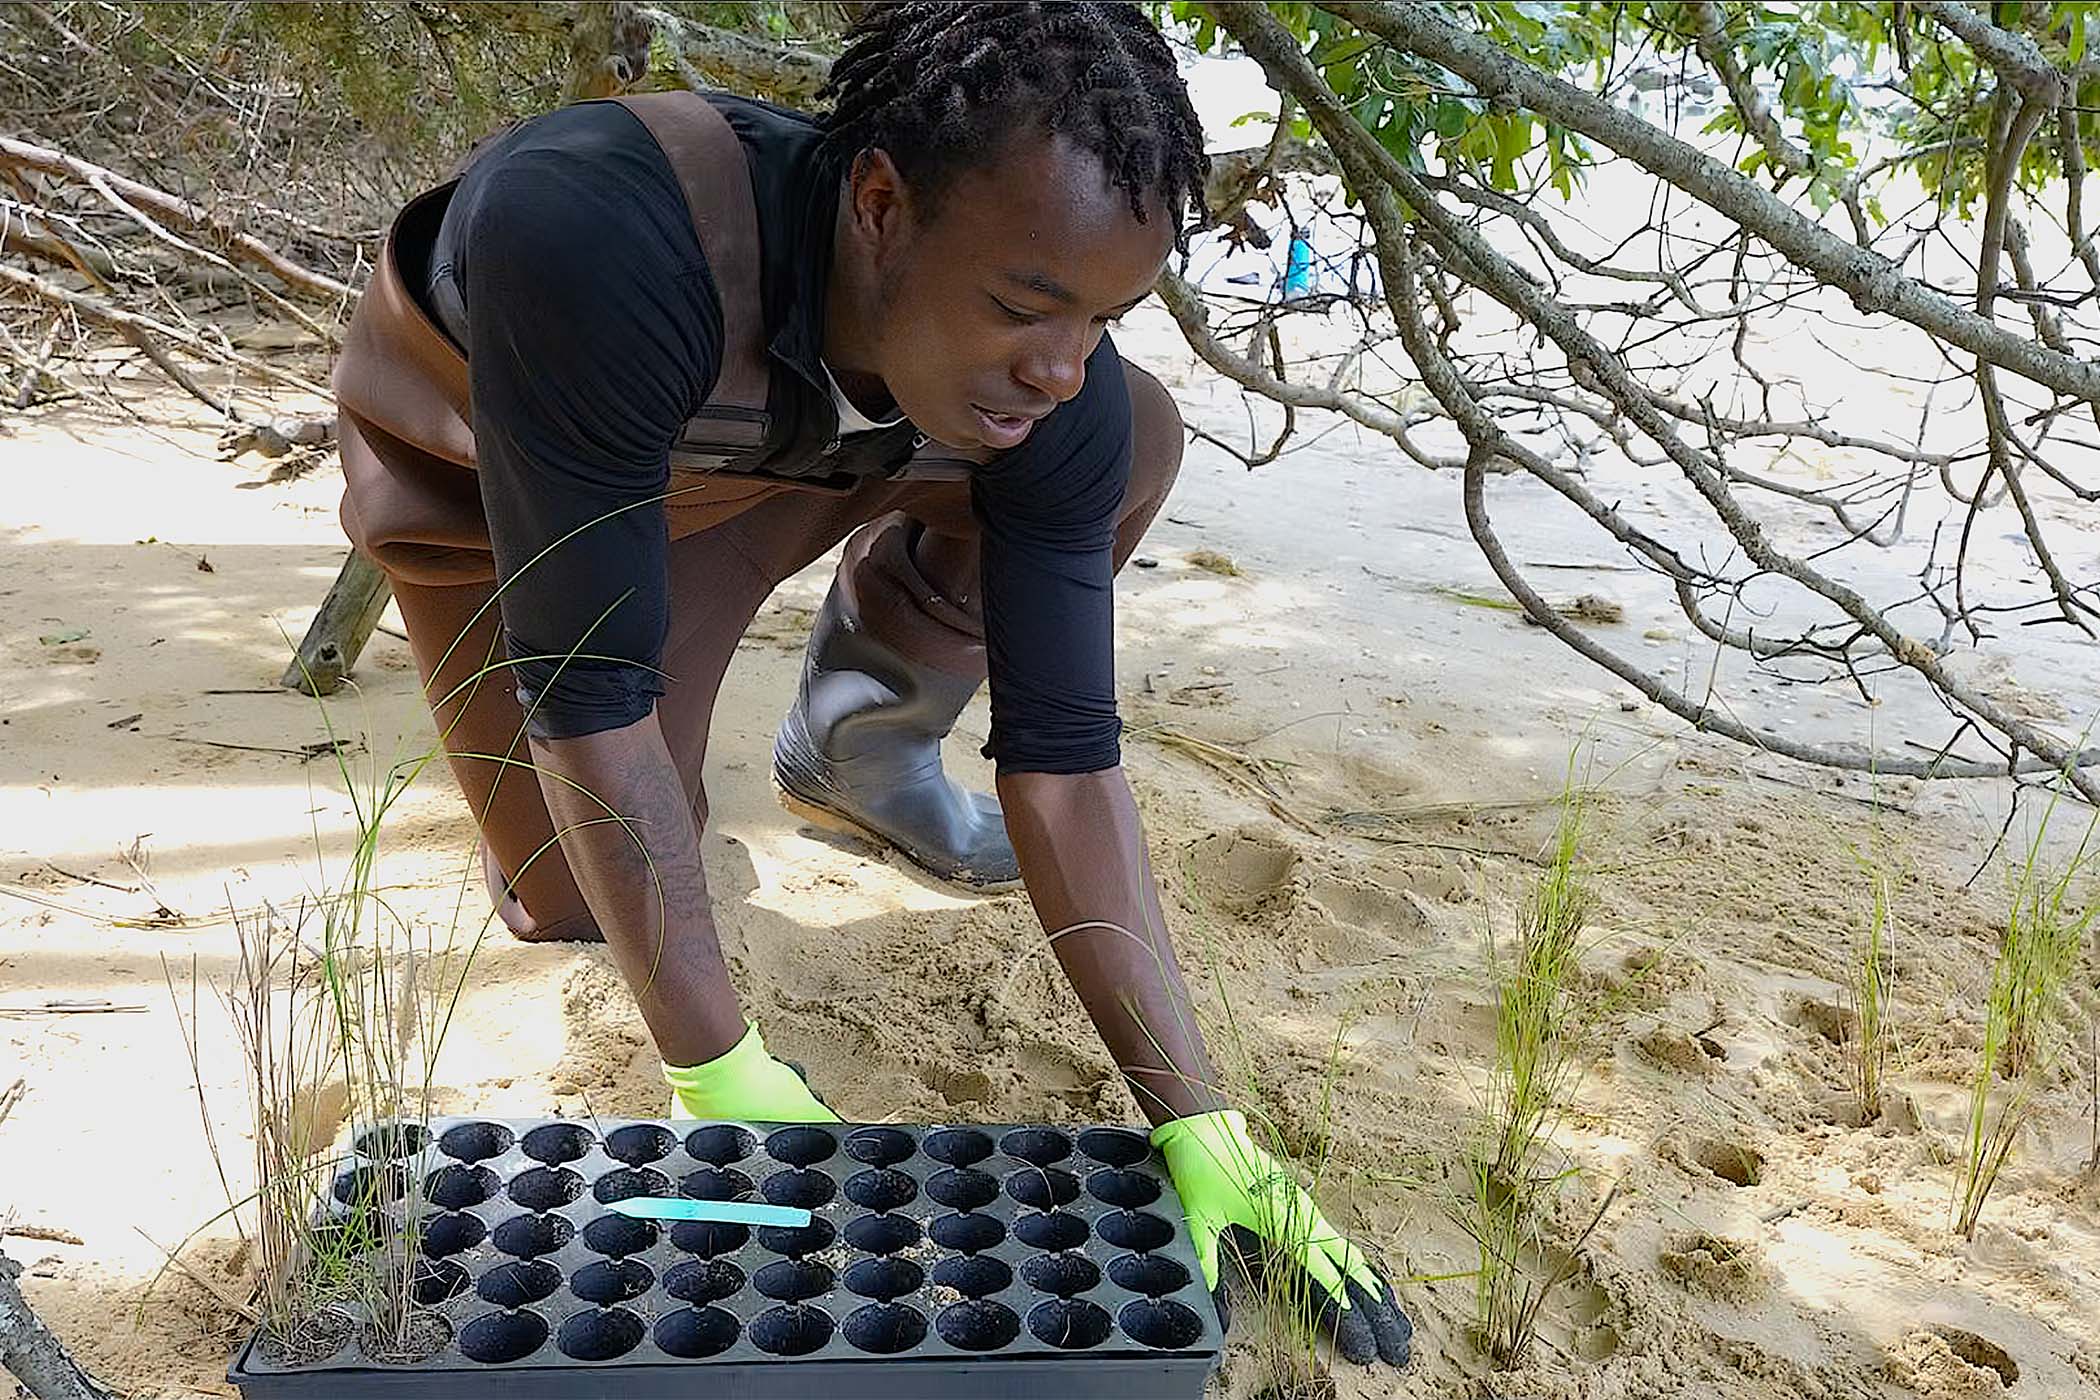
(896, 651)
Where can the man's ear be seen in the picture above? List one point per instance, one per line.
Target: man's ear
(878, 199)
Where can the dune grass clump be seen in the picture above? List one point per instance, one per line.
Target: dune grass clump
(1871, 992)
(1541, 1013)
(2045, 932)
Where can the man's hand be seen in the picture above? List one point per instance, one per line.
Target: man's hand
(1082, 853)
(747, 1084)
(1235, 1193)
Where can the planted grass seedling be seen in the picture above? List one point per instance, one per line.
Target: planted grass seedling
(2045, 931)
(1540, 1017)
(1871, 991)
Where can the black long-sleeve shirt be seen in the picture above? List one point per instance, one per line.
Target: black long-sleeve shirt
(593, 332)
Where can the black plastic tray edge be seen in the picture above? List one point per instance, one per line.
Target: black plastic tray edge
(1083, 1376)
(730, 1378)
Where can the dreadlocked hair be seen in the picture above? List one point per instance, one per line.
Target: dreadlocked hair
(938, 84)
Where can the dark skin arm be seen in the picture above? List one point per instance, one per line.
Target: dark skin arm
(1082, 855)
(643, 882)
(1081, 850)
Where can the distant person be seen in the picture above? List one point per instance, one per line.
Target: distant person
(1298, 275)
(701, 340)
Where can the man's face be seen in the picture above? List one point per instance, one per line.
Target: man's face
(989, 309)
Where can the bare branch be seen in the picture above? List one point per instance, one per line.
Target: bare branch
(1369, 165)
(787, 74)
(1188, 312)
(21, 155)
(130, 324)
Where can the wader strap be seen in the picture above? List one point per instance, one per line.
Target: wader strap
(703, 149)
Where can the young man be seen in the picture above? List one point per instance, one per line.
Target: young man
(890, 323)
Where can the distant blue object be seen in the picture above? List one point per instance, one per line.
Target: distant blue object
(722, 1212)
(1297, 273)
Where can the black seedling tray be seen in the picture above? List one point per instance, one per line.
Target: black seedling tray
(940, 1263)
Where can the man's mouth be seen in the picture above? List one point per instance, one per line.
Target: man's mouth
(1002, 429)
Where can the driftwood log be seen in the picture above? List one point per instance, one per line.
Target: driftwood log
(340, 629)
(32, 1354)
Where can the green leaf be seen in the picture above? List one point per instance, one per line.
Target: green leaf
(1512, 141)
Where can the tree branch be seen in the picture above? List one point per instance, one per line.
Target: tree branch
(1749, 103)
(1757, 115)
(1871, 280)
(30, 1352)
(21, 155)
(130, 324)
(790, 75)
(2018, 61)
(1369, 165)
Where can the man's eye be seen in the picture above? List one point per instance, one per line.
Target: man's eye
(1016, 314)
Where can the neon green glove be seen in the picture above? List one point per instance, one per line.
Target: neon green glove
(746, 1083)
(1232, 1190)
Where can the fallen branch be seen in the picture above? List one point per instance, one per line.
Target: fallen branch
(182, 377)
(22, 155)
(131, 325)
(75, 1006)
(32, 1354)
(103, 187)
(91, 880)
(35, 367)
(107, 269)
(57, 242)
(46, 1234)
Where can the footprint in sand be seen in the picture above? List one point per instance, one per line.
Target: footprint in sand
(1717, 1267)
(603, 1042)
(1729, 1158)
(1836, 1024)
(1241, 869)
(1942, 1362)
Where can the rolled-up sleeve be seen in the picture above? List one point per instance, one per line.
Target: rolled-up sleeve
(593, 330)
(1048, 513)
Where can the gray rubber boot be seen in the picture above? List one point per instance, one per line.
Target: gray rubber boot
(860, 752)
